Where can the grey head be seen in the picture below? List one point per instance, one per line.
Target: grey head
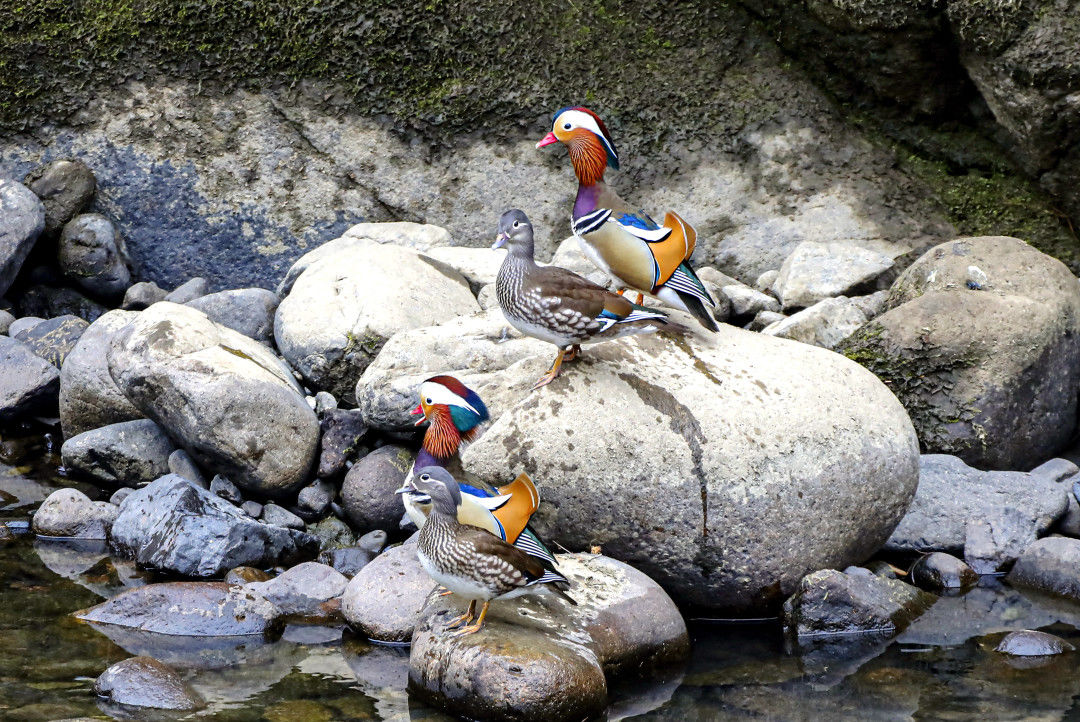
(437, 483)
(515, 232)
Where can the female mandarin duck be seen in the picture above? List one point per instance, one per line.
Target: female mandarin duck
(454, 414)
(623, 242)
(557, 305)
(472, 562)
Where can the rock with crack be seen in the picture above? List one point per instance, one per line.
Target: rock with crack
(538, 657)
(130, 453)
(227, 399)
(357, 293)
(480, 350)
(988, 371)
(724, 468)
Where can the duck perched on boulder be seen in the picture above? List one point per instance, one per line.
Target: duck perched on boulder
(455, 413)
(559, 306)
(622, 241)
(472, 562)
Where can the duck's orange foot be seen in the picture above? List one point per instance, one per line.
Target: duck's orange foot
(572, 353)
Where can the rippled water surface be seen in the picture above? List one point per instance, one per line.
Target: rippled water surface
(942, 668)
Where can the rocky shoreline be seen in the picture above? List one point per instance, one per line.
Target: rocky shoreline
(250, 441)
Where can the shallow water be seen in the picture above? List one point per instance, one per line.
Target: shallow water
(942, 668)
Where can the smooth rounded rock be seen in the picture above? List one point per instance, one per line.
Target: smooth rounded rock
(93, 255)
(939, 571)
(70, 513)
(130, 453)
(538, 657)
(89, 398)
(1031, 643)
(188, 291)
(223, 396)
(384, 600)
(65, 187)
(1050, 565)
(249, 311)
(142, 295)
(747, 462)
(302, 589)
(988, 373)
(367, 494)
(333, 323)
(146, 682)
(22, 219)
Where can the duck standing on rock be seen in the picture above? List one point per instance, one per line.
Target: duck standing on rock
(623, 242)
(559, 306)
(472, 562)
(454, 413)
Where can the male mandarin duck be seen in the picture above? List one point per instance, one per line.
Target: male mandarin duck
(557, 305)
(472, 562)
(454, 414)
(622, 241)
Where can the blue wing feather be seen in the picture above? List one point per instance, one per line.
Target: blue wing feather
(638, 220)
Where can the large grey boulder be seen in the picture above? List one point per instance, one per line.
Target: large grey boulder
(951, 494)
(384, 600)
(54, 338)
(191, 609)
(302, 589)
(981, 343)
(249, 311)
(176, 526)
(538, 657)
(65, 187)
(480, 350)
(130, 453)
(826, 323)
(93, 255)
(28, 383)
(89, 397)
(70, 513)
(747, 462)
(367, 494)
(345, 305)
(1050, 565)
(146, 682)
(224, 397)
(22, 219)
(816, 271)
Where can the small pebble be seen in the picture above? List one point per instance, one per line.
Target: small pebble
(279, 516)
(225, 489)
(252, 509)
(181, 464)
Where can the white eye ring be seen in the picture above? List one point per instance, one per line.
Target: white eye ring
(517, 223)
(425, 477)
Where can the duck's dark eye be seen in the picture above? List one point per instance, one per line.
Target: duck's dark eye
(566, 126)
(427, 401)
(517, 224)
(425, 477)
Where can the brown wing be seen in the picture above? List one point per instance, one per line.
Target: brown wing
(580, 294)
(487, 543)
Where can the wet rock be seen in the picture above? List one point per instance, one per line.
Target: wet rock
(252, 508)
(1050, 565)
(93, 255)
(177, 366)
(826, 323)
(938, 571)
(950, 493)
(730, 425)
(302, 589)
(142, 295)
(816, 271)
(384, 600)
(332, 324)
(146, 682)
(29, 384)
(49, 302)
(988, 375)
(225, 489)
(6, 319)
(243, 575)
(333, 533)
(130, 453)
(70, 513)
(89, 398)
(341, 433)
(175, 526)
(992, 544)
(349, 561)
(53, 339)
(277, 516)
(831, 602)
(189, 291)
(538, 657)
(249, 311)
(181, 464)
(1030, 643)
(189, 609)
(316, 497)
(480, 351)
(745, 301)
(65, 187)
(367, 494)
(22, 219)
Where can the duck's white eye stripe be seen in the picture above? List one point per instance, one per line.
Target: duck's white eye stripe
(438, 394)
